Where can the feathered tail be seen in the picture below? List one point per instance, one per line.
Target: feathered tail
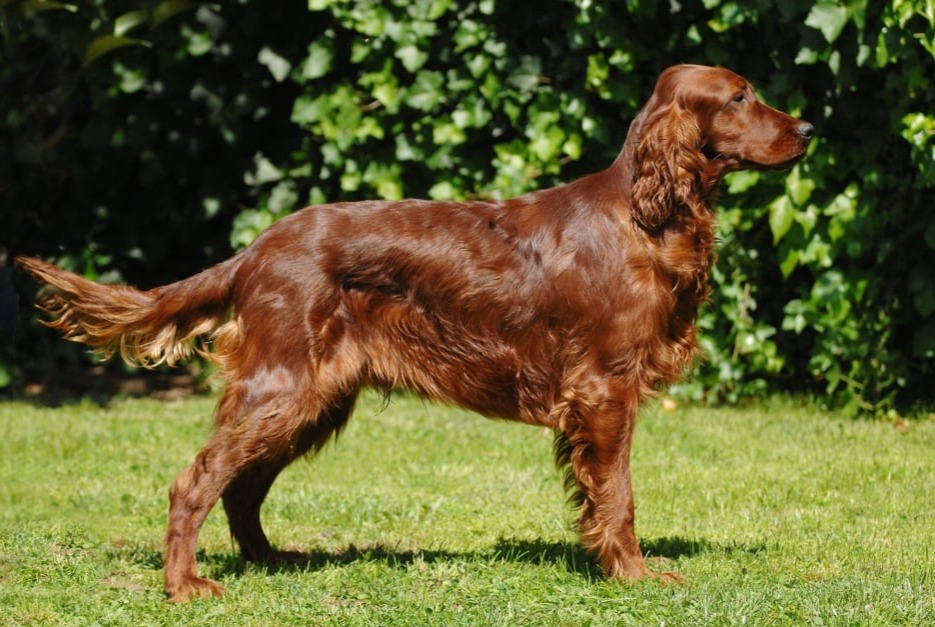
(146, 328)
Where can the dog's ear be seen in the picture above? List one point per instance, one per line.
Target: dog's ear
(667, 166)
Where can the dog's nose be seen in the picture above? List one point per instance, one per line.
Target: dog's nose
(806, 129)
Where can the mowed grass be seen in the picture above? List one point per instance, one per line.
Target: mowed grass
(776, 514)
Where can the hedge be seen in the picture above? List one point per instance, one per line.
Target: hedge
(146, 140)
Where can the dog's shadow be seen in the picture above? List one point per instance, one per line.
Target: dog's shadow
(569, 556)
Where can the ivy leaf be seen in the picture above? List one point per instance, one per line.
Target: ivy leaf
(830, 19)
(795, 316)
(443, 191)
(277, 65)
(247, 225)
(31, 7)
(165, 11)
(412, 58)
(307, 110)
(283, 198)
(426, 92)
(318, 62)
(447, 133)
(789, 263)
(799, 187)
(806, 56)
(526, 76)
(264, 172)
(128, 21)
(108, 43)
(781, 217)
(739, 182)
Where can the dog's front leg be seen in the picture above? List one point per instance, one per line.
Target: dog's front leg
(594, 440)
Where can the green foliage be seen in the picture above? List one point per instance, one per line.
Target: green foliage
(167, 126)
(865, 303)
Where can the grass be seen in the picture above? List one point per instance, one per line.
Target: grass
(776, 515)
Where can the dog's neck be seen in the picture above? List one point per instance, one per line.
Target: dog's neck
(682, 249)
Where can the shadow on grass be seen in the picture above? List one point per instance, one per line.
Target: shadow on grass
(103, 384)
(564, 555)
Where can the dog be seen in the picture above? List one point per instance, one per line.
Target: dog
(565, 307)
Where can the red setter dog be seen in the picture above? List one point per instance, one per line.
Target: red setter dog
(564, 307)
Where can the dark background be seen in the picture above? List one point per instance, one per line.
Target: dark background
(143, 141)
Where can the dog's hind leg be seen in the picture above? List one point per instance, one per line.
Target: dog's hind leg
(244, 496)
(264, 420)
(193, 494)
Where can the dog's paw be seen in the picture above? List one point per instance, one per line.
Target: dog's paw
(193, 588)
(670, 577)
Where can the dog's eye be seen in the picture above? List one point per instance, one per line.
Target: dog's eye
(739, 97)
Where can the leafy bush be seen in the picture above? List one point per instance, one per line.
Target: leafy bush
(182, 126)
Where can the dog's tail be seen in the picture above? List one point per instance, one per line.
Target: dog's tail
(146, 328)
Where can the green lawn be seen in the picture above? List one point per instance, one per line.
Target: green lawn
(775, 514)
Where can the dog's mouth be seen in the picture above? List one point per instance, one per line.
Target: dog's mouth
(781, 166)
(796, 148)
(741, 162)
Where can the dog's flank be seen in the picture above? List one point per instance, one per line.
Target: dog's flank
(565, 308)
